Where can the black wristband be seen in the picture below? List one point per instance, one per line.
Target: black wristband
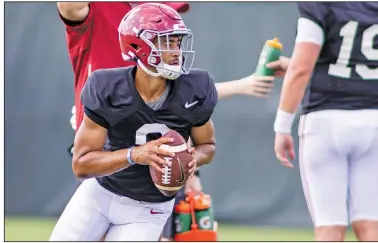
(197, 173)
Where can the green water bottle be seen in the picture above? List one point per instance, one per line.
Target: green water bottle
(182, 217)
(204, 212)
(271, 52)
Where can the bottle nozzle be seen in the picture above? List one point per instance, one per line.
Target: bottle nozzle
(275, 43)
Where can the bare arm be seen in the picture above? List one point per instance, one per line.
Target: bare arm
(298, 74)
(226, 89)
(74, 11)
(309, 41)
(88, 158)
(251, 85)
(203, 138)
(308, 44)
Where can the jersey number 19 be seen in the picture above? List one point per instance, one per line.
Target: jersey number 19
(348, 32)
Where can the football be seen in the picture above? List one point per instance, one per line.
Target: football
(173, 178)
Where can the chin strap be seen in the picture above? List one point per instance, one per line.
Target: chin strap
(149, 72)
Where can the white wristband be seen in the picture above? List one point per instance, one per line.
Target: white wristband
(283, 121)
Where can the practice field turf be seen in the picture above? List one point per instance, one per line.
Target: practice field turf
(39, 229)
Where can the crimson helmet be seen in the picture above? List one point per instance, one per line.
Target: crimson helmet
(149, 22)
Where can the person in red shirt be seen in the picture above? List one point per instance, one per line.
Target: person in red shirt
(93, 43)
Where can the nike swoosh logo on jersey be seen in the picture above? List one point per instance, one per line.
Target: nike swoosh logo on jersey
(155, 212)
(191, 104)
(182, 174)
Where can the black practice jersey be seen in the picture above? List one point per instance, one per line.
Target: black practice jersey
(111, 100)
(346, 73)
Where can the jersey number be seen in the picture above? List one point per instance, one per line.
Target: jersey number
(348, 32)
(149, 130)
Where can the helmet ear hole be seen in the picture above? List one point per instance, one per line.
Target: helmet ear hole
(135, 46)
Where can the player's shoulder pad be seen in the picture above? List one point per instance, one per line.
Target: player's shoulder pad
(106, 92)
(198, 88)
(314, 11)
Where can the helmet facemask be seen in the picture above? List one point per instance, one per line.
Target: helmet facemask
(162, 40)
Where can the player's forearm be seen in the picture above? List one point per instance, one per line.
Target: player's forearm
(99, 163)
(227, 89)
(294, 86)
(204, 154)
(293, 90)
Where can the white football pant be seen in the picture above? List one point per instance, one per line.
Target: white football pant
(93, 211)
(338, 156)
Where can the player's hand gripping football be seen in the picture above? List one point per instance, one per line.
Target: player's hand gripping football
(148, 153)
(284, 148)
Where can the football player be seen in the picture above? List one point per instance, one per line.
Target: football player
(91, 34)
(92, 45)
(126, 112)
(336, 58)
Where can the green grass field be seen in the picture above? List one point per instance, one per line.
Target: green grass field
(39, 229)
